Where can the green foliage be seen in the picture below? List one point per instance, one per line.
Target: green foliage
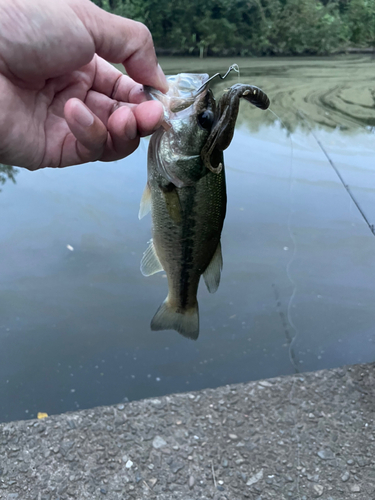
(252, 27)
(7, 173)
(360, 17)
(308, 26)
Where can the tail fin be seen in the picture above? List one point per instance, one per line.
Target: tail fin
(185, 322)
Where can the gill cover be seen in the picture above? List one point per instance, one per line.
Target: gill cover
(170, 148)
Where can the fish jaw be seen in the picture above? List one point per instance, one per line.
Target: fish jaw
(184, 91)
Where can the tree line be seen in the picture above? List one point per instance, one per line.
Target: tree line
(252, 27)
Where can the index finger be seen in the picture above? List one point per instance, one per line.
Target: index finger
(121, 40)
(110, 81)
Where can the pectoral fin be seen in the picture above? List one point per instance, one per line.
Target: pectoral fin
(172, 202)
(213, 272)
(150, 263)
(145, 202)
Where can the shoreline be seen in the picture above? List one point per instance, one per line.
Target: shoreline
(301, 436)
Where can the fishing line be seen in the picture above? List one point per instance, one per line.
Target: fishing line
(346, 186)
(291, 341)
(236, 68)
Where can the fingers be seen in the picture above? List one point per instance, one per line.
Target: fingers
(114, 84)
(90, 132)
(123, 130)
(127, 124)
(149, 116)
(92, 140)
(121, 40)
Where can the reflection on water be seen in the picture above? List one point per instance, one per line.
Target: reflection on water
(7, 173)
(298, 283)
(332, 92)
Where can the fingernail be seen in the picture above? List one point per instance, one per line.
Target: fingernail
(83, 116)
(131, 133)
(163, 84)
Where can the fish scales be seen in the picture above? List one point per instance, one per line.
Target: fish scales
(185, 249)
(186, 193)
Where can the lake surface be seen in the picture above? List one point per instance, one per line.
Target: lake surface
(298, 285)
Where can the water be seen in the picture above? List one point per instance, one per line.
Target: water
(297, 289)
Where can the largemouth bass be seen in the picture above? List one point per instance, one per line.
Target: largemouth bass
(186, 193)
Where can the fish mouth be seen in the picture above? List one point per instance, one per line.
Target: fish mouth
(185, 92)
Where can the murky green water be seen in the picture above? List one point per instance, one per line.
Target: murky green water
(298, 284)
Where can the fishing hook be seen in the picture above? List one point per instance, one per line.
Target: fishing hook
(234, 67)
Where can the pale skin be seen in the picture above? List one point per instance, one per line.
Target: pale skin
(61, 101)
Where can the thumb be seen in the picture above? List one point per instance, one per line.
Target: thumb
(121, 40)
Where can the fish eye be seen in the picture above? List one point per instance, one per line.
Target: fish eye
(206, 119)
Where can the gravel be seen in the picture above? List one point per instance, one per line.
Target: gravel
(247, 441)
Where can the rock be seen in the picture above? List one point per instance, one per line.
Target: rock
(224, 462)
(158, 442)
(191, 481)
(254, 479)
(129, 464)
(355, 488)
(318, 490)
(71, 424)
(152, 481)
(345, 476)
(176, 466)
(265, 383)
(362, 461)
(326, 454)
(233, 436)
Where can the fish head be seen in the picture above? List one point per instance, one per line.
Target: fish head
(189, 114)
(196, 130)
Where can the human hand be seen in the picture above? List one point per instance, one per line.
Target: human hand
(61, 102)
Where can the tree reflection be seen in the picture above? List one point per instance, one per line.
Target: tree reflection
(7, 172)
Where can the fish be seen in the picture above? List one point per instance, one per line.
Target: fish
(186, 193)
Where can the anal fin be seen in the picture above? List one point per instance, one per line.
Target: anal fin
(150, 263)
(212, 273)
